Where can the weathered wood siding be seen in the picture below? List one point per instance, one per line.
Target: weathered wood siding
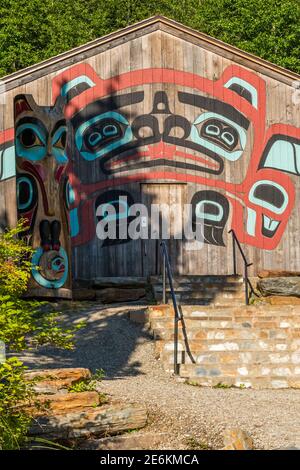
(229, 143)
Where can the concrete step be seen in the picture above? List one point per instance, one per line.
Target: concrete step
(212, 280)
(216, 323)
(241, 310)
(206, 345)
(254, 346)
(246, 358)
(227, 334)
(236, 370)
(202, 290)
(263, 382)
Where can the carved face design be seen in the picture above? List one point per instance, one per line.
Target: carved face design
(40, 145)
(122, 135)
(163, 124)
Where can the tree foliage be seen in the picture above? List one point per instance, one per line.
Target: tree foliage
(34, 30)
(23, 324)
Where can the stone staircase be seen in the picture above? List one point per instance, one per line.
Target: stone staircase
(255, 346)
(202, 290)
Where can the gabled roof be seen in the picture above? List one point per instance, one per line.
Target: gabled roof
(139, 29)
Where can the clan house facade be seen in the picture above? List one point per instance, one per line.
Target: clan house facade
(155, 114)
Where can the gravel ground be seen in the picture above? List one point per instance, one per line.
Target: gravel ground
(191, 417)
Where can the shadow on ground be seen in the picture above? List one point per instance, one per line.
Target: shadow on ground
(107, 342)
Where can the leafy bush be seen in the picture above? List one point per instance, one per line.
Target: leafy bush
(15, 262)
(14, 390)
(23, 324)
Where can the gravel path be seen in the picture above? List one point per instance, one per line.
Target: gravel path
(190, 416)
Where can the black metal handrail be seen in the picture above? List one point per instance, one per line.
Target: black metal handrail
(177, 313)
(247, 282)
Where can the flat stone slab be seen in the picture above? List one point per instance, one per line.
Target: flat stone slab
(135, 441)
(102, 282)
(114, 294)
(64, 402)
(282, 300)
(276, 273)
(52, 380)
(84, 294)
(100, 421)
(286, 286)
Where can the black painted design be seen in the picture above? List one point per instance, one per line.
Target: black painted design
(211, 210)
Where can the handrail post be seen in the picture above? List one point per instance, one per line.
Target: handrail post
(176, 368)
(235, 242)
(177, 315)
(246, 283)
(164, 278)
(234, 255)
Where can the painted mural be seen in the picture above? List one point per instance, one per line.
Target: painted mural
(199, 133)
(100, 136)
(41, 160)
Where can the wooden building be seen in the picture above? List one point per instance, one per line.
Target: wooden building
(154, 113)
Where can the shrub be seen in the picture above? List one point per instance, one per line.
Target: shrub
(23, 324)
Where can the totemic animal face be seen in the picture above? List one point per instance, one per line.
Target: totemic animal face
(40, 146)
(177, 126)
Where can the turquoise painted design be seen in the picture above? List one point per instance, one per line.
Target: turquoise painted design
(74, 223)
(251, 221)
(214, 147)
(247, 86)
(27, 181)
(75, 82)
(58, 150)
(37, 149)
(7, 163)
(284, 155)
(108, 130)
(265, 204)
(55, 265)
(70, 194)
(201, 214)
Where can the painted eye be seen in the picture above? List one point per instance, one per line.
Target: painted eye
(26, 193)
(220, 135)
(110, 130)
(229, 138)
(105, 131)
(61, 142)
(102, 134)
(269, 195)
(212, 129)
(94, 138)
(29, 138)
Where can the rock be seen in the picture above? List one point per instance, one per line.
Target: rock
(64, 403)
(135, 441)
(84, 294)
(130, 282)
(237, 439)
(101, 421)
(115, 294)
(139, 316)
(275, 273)
(52, 380)
(286, 286)
(282, 300)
